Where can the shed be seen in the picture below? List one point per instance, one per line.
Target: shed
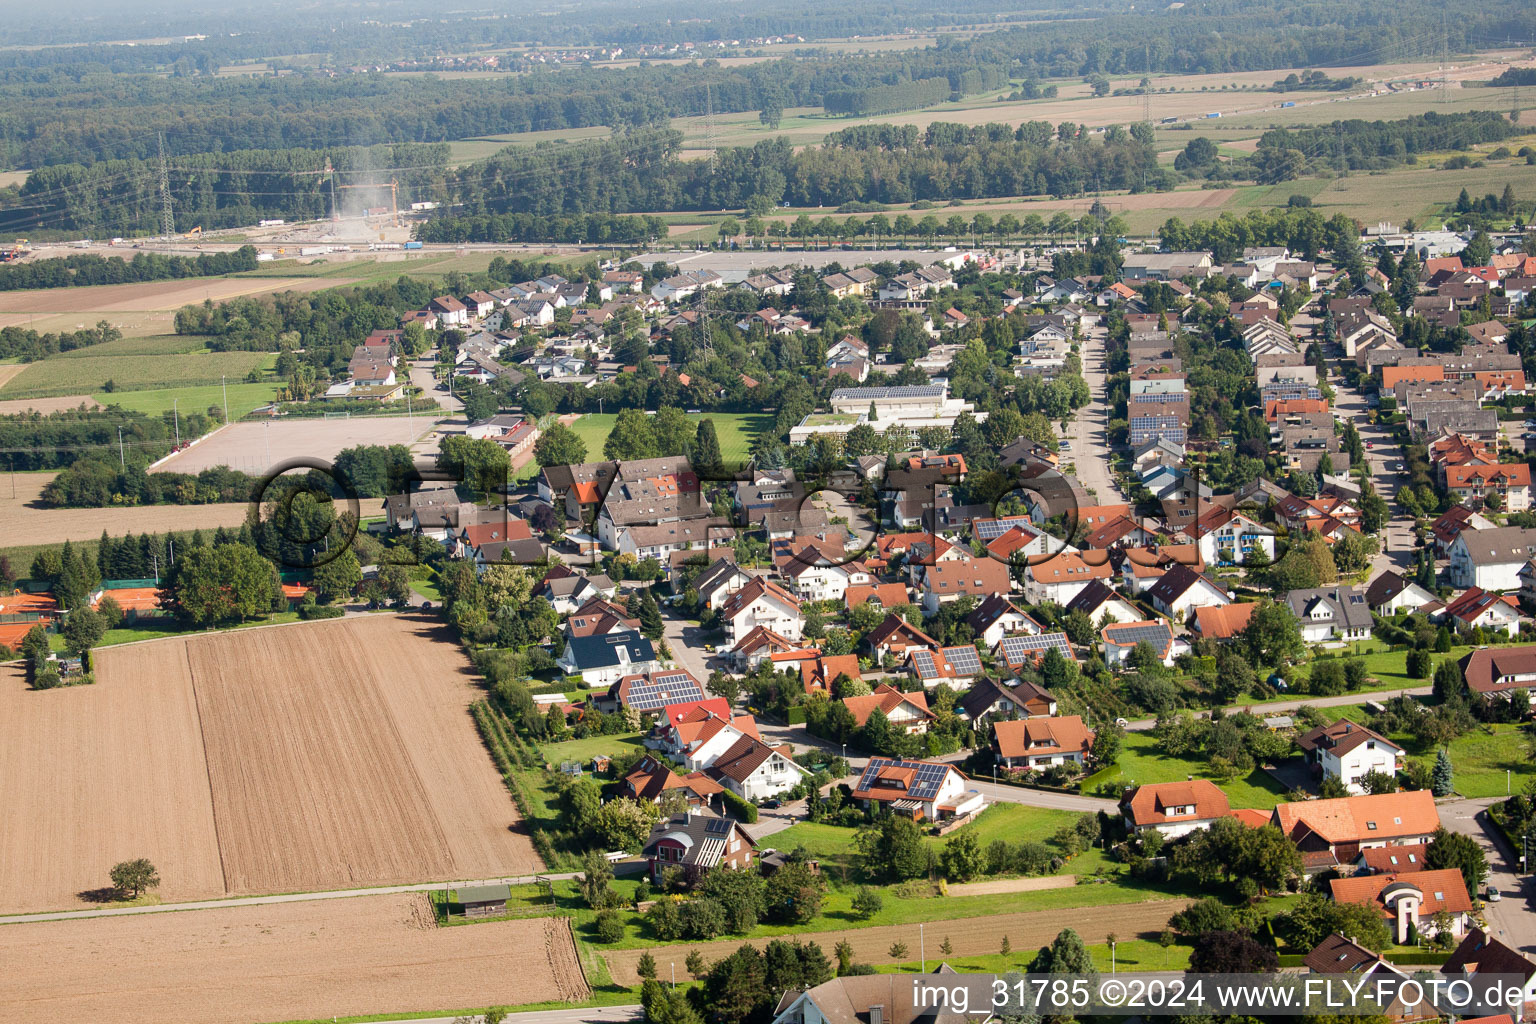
(484, 900)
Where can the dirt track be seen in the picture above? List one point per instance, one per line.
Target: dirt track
(1026, 933)
(370, 954)
(294, 758)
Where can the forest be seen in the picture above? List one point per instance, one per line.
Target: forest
(89, 269)
(642, 171)
(26, 345)
(200, 113)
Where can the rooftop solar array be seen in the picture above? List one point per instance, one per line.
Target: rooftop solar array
(1019, 649)
(907, 391)
(988, 530)
(927, 667)
(965, 660)
(928, 776)
(1131, 634)
(662, 689)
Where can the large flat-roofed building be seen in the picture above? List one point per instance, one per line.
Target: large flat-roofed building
(911, 406)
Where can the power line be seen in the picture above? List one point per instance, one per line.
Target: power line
(167, 220)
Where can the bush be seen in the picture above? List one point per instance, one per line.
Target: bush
(609, 928)
(741, 809)
(321, 611)
(47, 679)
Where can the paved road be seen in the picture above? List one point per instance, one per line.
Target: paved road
(290, 897)
(1089, 430)
(684, 640)
(1511, 918)
(421, 376)
(1382, 456)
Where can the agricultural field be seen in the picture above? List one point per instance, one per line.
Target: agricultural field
(464, 151)
(736, 431)
(138, 309)
(353, 763)
(256, 447)
(88, 373)
(288, 961)
(27, 524)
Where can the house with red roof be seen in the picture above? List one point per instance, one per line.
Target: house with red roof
(1478, 608)
(1174, 808)
(1410, 902)
(896, 636)
(1036, 743)
(907, 712)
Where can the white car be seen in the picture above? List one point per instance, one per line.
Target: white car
(1493, 895)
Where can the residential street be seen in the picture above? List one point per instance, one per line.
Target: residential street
(421, 376)
(1512, 918)
(1383, 457)
(1089, 429)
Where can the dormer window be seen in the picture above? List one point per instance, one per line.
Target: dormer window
(1370, 826)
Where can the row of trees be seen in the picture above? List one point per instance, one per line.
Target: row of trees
(89, 269)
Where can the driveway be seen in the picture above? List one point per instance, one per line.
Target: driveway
(1511, 919)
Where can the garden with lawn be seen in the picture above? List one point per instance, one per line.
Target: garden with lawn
(1142, 763)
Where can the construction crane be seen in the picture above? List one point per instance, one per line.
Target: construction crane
(394, 198)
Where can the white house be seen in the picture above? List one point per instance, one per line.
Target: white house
(1390, 593)
(1227, 536)
(1491, 559)
(1346, 751)
(1174, 808)
(1181, 590)
(1042, 742)
(1062, 577)
(755, 771)
(925, 790)
(601, 660)
(1331, 613)
(762, 602)
(718, 582)
(815, 582)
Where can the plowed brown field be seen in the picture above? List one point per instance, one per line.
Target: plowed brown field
(287, 961)
(312, 756)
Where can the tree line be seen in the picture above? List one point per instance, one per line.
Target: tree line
(29, 346)
(89, 269)
(644, 171)
(34, 441)
(527, 227)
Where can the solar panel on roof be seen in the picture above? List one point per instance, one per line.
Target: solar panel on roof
(1154, 633)
(990, 529)
(926, 666)
(661, 690)
(1018, 649)
(964, 659)
(906, 391)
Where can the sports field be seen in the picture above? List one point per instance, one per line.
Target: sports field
(301, 757)
(253, 447)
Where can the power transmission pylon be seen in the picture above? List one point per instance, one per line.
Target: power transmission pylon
(709, 124)
(1146, 94)
(167, 220)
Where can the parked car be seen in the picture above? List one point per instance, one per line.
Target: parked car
(1493, 894)
(771, 805)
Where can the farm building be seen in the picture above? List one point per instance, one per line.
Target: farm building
(483, 900)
